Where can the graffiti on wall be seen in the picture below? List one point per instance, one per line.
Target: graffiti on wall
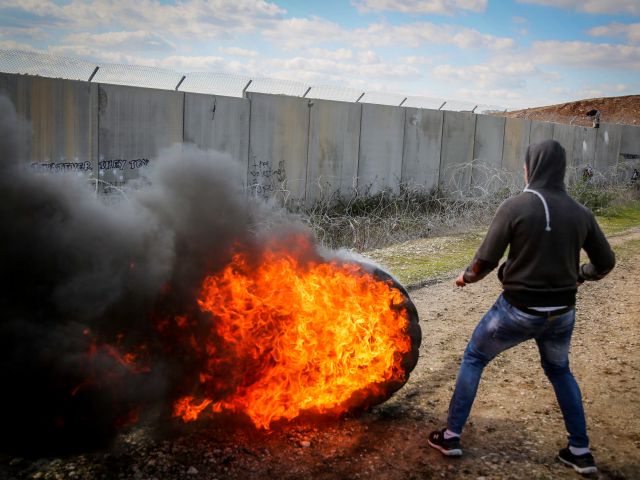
(121, 164)
(118, 164)
(264, 179)
(61, 167)
(116, 172)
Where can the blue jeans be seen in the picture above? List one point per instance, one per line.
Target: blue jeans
(503, 327)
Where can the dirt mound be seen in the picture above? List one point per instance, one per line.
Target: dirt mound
(624, 110)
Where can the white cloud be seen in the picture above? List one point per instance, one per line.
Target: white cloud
(26, 32)
(201, 18)
(416, 34)
(603, 90)
(368, 57)
(99, 54)
(518, 70)
(610, 7)
(185, 63)
(630, 31)
(180, 63)
(417, 60)
(138, 40)
(586, 54)
(295, 33)
(499, 73)
(500, 97)
(522, 77)
(238, 52)
(421, 7)
(13, 45)
(337, 55)
(323, 68)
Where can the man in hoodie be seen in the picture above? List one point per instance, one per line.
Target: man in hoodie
(545, 229)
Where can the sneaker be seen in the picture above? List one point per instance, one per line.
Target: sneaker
(583, 464)
(449, 447)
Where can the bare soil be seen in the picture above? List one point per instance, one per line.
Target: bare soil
(514, 432)
(624, 110)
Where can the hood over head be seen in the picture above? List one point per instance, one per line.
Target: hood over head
(546, 164)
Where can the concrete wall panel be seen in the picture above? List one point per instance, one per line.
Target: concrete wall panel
(584, 147)
(540, 131)
(278, 146)
(134, 125)
(629, 158)
(630, 141)
(218, 123)
(113, 131)
(608, 139)
(332, 167)
(380, 158)
(487, 153)
(422, 143)
(63, 117)
(457, 150)
(564, 135)
(516, 141)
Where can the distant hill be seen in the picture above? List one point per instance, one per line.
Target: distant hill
(625, 110)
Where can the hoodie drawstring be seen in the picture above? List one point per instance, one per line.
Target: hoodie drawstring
(544, 203)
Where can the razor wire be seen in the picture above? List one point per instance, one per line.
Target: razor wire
(211, 83)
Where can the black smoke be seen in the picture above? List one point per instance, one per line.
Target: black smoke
(86, 281)
(94, 288)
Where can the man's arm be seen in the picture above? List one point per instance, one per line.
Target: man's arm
(601, 257)
(491, 250)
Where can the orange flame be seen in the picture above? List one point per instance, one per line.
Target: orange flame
(290, 336)
(185, 409)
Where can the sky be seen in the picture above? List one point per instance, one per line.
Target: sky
(509, 53)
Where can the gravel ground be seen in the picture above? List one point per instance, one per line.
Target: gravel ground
(514, 431)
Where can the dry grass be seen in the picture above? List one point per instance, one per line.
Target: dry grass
(363, 222)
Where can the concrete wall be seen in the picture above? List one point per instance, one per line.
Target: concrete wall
(380, 158)
(563, 134)
(584, 147)
(279, 131)
(334, 140)
(487, 152)
(516, 141)
(218, 123)
(629, 156)
(422, 144)
(541, 131)
(629, 142)
(296, 149)
(608, 139)
(457, 150)
(134, 125)
(63, 117)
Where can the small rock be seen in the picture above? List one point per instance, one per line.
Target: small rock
(192, 471)
(305, 444)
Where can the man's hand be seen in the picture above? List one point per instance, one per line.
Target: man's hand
(460, 280)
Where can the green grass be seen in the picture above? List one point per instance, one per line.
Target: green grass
(418, 260)
(415, 261)
(621, 218)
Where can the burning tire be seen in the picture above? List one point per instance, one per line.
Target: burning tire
(293, 334)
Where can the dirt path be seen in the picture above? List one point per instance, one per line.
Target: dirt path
(515, 421)
(514, 431)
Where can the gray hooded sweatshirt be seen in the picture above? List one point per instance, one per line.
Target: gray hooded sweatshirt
(545, 229)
